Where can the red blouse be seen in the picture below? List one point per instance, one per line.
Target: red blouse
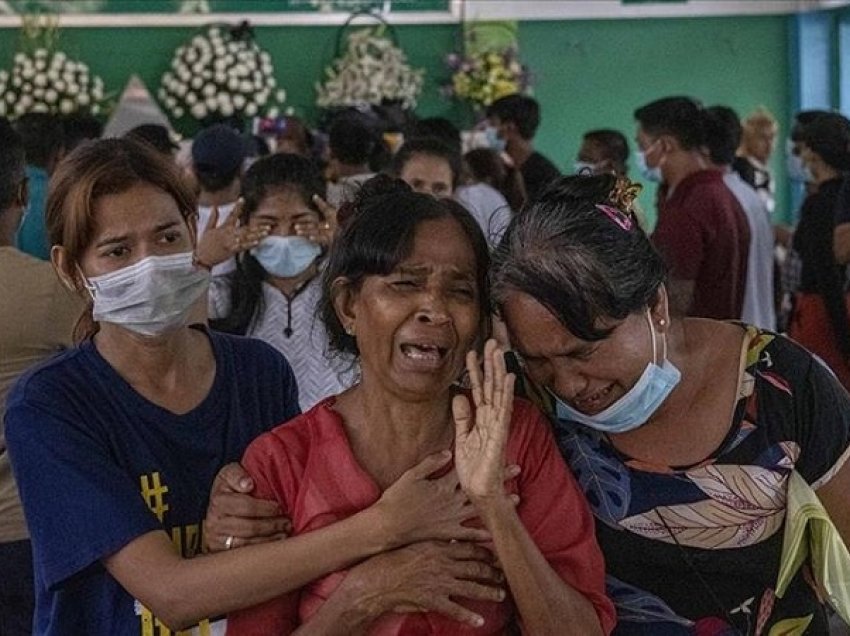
(307, 466)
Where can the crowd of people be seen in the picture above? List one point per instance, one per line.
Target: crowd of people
(319, 384)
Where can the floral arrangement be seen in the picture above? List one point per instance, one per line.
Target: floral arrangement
(46, 81)
(482, 78)
(373, 70)
(221, 73)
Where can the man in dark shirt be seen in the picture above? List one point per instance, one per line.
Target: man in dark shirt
(516, 118)
(702, 231)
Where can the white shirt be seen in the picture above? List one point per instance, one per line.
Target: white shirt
(489, 208)
(292, 327)
(204, 214)
(758, 307)
(345, 189)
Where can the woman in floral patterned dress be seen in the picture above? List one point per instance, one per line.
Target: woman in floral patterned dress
(683, 433)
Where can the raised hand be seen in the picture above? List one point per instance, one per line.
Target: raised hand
(220, 242)
(322, 232)
(480, 438)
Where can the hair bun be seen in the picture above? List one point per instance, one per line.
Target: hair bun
(379, 186)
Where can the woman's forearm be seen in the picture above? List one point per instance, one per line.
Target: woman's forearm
(546, 604)
(180, 592)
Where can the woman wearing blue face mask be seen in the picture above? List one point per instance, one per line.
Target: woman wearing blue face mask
(685, 434)
(148, 404)
(272, 295)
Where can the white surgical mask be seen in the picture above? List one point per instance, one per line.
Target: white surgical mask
(151, 297)
(636, 407)
(493, 140)
(797, 169)
(650, 174)
(286, 256)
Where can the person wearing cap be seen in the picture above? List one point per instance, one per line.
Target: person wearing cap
(218, 154)
(157, 136)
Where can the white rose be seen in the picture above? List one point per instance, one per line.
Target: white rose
(211, 104)
(71, 67)
(20, 58)
(19, 109)
(40, 107)
(208, 90)
(199, 111)
(181, 90)
(178, 112)
(25, 101)
(226, 110)
(50, 96)
(40, 80)
(267, 69)
(97, 92)
(170, 103)
(2, 108)
(197, 68)
(10, 97)
(246, 87)
(239, 101)
(28, 73)
(273, 112)
(83, 99)
(196, 82)
(251, 110)
(95, 109)
(16, 81)
(280, 95)
(52, 75)
(66, 106)
(191, 98)
(272, 82)
(233, 84)
(73, 90)
(220, 78)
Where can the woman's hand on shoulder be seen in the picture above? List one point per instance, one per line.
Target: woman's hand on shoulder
(481, 437)
(426, 577)
(235, 518)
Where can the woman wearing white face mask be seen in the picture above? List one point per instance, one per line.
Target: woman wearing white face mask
(273, 293)
(147, 404)
(686, 435)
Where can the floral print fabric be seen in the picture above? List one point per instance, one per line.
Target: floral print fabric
(696, 550)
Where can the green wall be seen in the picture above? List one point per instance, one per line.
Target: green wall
(589, 74)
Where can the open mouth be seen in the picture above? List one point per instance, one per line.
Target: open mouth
(594, 402)
(424, 352)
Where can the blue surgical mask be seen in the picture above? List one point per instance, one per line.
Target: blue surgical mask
(797, 170)
(286, 256)
(650, 174)
(584, 167)
(493, 140)
(636, 407)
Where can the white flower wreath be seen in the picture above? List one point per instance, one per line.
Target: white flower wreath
(46, 81)
(221, 72)
(372, 70)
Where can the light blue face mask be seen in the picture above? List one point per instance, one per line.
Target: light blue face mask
(636, 407)
(797, 170)
(584, 167)
(286, 256)
(650, 174)
(493, 140)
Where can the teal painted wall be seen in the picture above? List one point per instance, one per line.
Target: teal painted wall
(589, 74)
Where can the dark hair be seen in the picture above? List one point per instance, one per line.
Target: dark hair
(427, 146)
(80, 127)
(379, 234)
(828, 136)
(680, 117)
(803, 119)
(12, 162)
(523, 111)
(351, 140)
(613, 143)
(281, 171)
(42, 136)
(577, 261)
(437, 128)
(96, 169)
(486, 166)
(723, 134)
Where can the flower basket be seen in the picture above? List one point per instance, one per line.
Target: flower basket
(221, 74)
(373, 70)
(479, 79)
(46, 81)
